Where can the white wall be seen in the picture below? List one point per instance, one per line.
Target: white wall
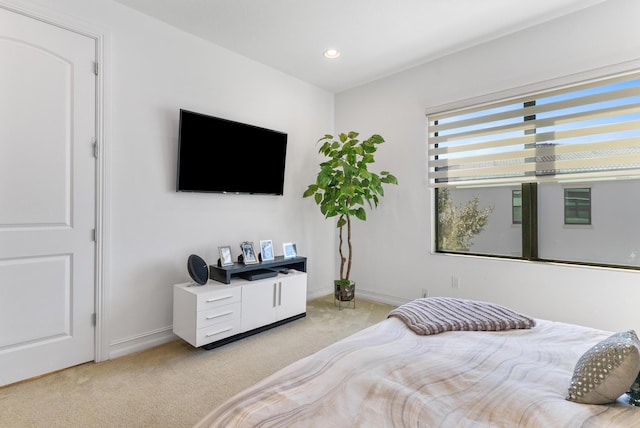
(393, 259)
(153, 70)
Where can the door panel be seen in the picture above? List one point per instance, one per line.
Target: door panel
(38, 192)
(47, 197)
(25, 309)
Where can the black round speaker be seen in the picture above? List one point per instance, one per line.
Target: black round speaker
(198, 269)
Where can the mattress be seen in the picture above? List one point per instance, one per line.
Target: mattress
(389, 376)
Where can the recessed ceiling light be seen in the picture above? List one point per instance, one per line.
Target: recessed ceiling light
(331, 53)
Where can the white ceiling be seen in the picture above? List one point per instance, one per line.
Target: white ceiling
(376, 37)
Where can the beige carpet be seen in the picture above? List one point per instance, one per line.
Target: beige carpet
(175, 385)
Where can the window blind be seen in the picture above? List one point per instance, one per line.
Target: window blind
(589, 130)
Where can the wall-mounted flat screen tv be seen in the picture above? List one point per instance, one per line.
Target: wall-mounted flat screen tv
(223, 156)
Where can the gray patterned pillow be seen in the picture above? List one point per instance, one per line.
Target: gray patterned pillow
(607, 370)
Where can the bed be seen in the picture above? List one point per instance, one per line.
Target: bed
(454, 373)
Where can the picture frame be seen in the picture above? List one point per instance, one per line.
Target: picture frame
(225, 255)
(248, 253)
(266, 250)
(289, 250)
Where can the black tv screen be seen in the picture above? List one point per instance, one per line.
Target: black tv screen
(223, 156)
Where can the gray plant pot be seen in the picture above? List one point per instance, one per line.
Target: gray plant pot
(344, 292)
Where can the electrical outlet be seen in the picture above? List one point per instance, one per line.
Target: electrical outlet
(455, 282)
(425, 292)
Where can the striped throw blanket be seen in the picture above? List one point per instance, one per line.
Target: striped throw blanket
(433, 315)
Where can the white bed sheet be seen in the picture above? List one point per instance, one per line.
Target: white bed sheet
(387, 376)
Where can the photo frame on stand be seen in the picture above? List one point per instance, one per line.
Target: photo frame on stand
(225, 256)
(266, 250)
(248, 253)
(289, 250)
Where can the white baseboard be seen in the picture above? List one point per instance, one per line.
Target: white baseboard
(380, 298)
(319, 292)
(366, 295)
(141, 342)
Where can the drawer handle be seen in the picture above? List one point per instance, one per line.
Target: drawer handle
(210, 317)
(218, 332)
(216, 299)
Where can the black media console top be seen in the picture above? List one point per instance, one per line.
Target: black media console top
(226, 273)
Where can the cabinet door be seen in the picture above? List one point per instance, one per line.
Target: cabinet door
(258, 304)
(292, 298)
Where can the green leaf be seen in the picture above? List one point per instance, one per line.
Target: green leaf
(341, 222)
(318, 198)
(361, 214)
(390, 179)
(310, 190)
(357, 200)
(325, 148)
(376, 139)
(353, 134)
(348, 189)
(364, 173)
(323, 181)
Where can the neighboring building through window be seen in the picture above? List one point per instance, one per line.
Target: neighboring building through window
(577, 206)
(516, 206)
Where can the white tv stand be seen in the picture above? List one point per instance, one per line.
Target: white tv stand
(216, 313)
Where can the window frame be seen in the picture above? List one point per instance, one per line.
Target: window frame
(529, 189)
(573, 220)
(516, 208)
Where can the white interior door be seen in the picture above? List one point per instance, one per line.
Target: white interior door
(47, 197)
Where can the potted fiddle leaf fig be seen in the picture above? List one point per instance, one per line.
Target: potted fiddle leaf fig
(343, 186)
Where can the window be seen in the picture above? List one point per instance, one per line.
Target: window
(516, 206)
(577, 206)
(541, 156)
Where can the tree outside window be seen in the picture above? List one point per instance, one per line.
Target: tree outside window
(459, 223)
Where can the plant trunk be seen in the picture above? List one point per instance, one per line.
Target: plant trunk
(342, 258)
(349, 246)
(345, 260)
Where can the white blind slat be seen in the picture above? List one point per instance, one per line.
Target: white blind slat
(536, 95)
(539, 151)
(574, 134)
(534, 124)
(537, 109)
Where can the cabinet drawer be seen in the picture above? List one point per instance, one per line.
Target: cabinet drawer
(218, 314)
(217, 332)
(214, 298)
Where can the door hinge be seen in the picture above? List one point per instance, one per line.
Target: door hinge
(94, 235)
(95, 149)
(96, 68)
(94, 319)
